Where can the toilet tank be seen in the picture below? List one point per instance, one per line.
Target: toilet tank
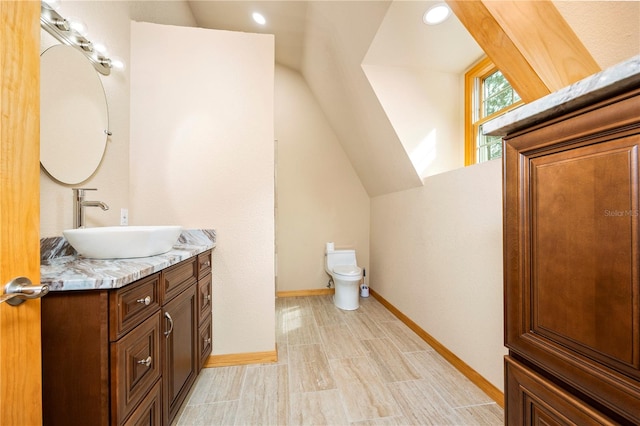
(340, 257)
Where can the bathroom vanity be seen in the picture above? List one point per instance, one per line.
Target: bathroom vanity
(124, 346)
(572, 252)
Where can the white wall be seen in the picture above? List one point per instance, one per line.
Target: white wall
(436, 254)
(202, 156)
(319, 196)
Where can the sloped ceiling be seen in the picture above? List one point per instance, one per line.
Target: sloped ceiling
(327, 42)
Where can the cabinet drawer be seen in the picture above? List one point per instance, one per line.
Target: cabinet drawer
(205, 341)
(131, 305)
(149, 412)
(204, 297)
(204, 263)
(177, 278)
(534, 400)
(135, 367)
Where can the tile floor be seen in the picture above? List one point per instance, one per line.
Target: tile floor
(362, 367)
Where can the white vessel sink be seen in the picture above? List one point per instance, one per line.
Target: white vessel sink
(122, 242)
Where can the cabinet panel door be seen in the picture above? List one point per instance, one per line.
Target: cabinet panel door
(180, 349)
(572, 288)
(135, 367)
(204, 297)
(131, 305)
(149, 412)
(204, 263)
(178, 277)
(533, 400)
(205, 341)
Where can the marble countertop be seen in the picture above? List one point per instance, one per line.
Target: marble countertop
(607, 83)
(72, 272)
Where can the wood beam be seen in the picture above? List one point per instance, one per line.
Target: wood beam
(529, 41)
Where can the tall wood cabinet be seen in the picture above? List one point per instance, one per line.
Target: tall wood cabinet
(572, 265)
(126, 356)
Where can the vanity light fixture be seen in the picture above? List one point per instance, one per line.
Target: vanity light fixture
(73, 33)
(436, 14)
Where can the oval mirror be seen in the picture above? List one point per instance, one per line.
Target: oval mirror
(74, 120)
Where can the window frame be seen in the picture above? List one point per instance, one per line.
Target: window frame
(473, 98)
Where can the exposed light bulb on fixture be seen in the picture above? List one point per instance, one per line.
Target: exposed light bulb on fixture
(259, 18)
(436, 14)
(100, 48)
(117, 63)
(78, 26)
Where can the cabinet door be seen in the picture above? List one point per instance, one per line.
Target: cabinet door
(205, 341)
(204, 297)
(180, 351)
(135, 367)
(534, 401)
(572, 259)
(149, 412)
(204, 263)
(177, 278)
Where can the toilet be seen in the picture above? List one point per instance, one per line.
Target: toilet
(343, 268)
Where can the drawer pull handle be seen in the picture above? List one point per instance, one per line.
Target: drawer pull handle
(145, 362)
(168, 332)
(146, 301)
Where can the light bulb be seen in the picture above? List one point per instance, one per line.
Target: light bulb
(436, 14)
(100, 48)
(78, 26)
(259, 18)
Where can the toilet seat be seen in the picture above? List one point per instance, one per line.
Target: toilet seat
(347, 271)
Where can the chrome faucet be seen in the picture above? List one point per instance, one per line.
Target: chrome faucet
(79, 203)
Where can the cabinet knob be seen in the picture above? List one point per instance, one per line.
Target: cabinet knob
(145, 362)
(207, 341)
(206, 264)
(209, 297)
(146, 301)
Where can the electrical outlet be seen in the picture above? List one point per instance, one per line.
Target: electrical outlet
(124, 216)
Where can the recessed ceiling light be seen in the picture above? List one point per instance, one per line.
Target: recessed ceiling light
(436, 14)
(259, 18)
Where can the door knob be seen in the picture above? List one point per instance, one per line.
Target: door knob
(20, 289)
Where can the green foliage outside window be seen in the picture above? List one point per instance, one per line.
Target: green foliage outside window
(497, 95)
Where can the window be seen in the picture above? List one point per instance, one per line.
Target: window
(488, 94)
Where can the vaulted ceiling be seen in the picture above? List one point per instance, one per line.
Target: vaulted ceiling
(328, 42)
(340, 46)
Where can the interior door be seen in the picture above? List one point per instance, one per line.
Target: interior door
(20, 357)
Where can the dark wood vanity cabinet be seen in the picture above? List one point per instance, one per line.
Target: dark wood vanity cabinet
(572, 264)
(205, 325)
(126, 356)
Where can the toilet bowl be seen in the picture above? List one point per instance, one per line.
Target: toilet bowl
(342, 266)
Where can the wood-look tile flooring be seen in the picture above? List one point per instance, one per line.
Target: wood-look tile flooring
(336, 367)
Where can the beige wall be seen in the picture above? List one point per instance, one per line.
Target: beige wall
(319, 196)
(436, 254)
(609, 29)
(202, 156)
(423, 107)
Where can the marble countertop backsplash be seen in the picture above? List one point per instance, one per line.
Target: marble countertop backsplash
(602, 85)
(62, 269)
